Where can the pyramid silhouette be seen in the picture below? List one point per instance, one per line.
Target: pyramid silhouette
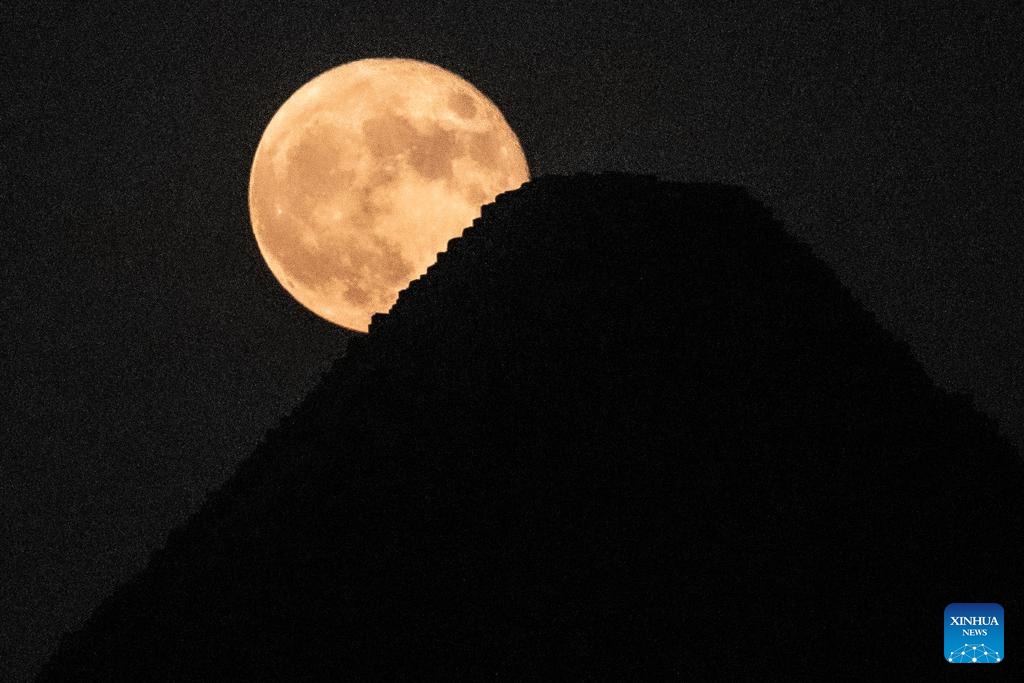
(622, 428)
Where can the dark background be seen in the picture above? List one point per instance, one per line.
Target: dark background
(145, 347)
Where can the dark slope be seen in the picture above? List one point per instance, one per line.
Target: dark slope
(621, 425)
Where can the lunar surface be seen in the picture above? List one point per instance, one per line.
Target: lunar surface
(364, 174)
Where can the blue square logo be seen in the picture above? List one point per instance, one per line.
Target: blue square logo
(974, 633)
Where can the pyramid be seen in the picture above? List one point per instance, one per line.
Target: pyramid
(622, 428)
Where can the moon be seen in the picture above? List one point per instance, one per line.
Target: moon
(364, 174)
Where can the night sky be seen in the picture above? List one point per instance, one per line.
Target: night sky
(146, 347)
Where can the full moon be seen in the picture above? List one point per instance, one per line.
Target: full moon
(364, 174)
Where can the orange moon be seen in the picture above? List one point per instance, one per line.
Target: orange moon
(364, 174)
